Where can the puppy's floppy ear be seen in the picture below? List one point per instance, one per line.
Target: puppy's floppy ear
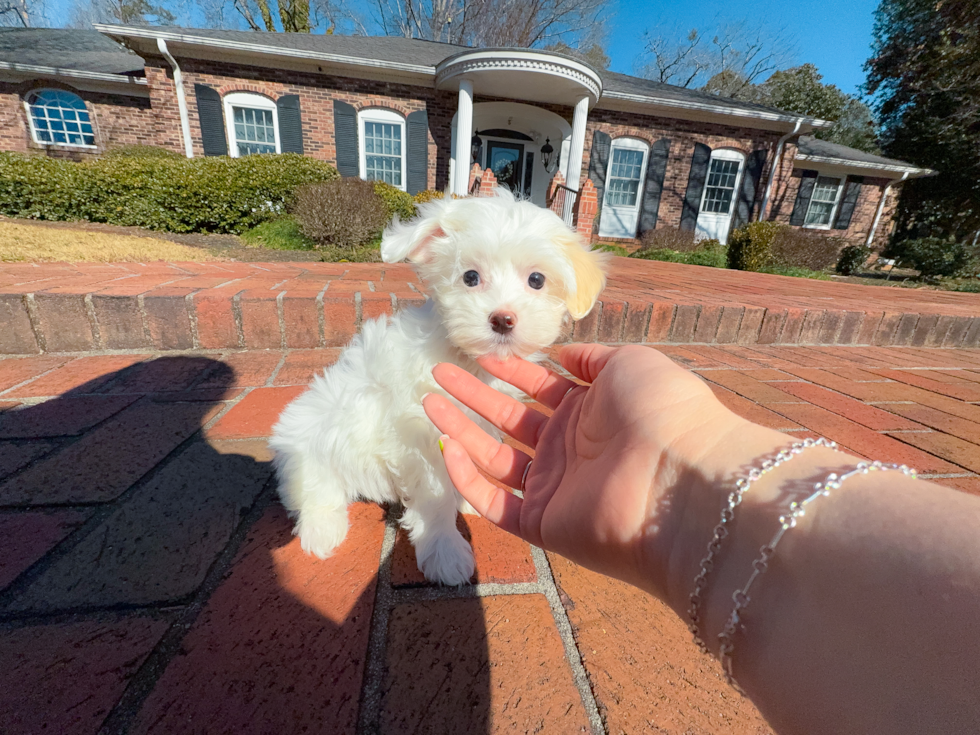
(412, 239)
(589, 268)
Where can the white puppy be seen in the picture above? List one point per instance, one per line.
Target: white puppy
(502, 276)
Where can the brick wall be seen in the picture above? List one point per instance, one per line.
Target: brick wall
(317, 93)
(683, 135)
(116, 119)
(864, 211)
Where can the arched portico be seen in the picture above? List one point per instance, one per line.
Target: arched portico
(512, 135)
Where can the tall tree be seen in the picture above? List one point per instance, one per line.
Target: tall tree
(925, 77)
(127, 12)
(728, 61)
(595, 55)
(19, 12)
(802, 90)
(492, 23)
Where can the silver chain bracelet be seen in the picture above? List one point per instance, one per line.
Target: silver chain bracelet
(727, 516)
(759, 566)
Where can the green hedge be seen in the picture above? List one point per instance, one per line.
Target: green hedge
(211, 194)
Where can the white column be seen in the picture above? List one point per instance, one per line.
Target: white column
(577, 148)
(881, 207)
(464, 134)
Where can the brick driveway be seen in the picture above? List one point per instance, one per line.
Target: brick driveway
(150, 582)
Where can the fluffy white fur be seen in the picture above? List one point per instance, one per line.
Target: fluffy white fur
(359, 432)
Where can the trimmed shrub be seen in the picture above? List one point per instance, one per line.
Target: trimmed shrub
(343, 213)
(428, 195)
(750, 248)
(793, 248)
(140, 151)
(669, 238)
(396, 201)
(931, 256)
(210, 194)
(851, 258)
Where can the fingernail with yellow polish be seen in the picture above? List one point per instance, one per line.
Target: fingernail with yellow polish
(442, 447)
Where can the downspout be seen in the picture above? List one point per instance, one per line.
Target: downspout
(881, 208)
(775, 167)
(185, 125)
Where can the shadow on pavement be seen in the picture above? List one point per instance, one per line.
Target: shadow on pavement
(151, 582)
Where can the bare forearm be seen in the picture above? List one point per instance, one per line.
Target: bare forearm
(867, 617)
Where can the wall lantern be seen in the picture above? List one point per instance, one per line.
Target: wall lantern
(548, 156)
(476, 146)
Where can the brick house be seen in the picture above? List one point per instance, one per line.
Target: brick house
(393, 108)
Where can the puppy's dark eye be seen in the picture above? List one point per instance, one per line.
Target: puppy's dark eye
(535, 281)
(471, 278)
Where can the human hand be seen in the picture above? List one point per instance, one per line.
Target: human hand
(616, 464)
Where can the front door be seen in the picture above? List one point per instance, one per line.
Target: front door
(506, 160)
(718, 200)
(621, 201)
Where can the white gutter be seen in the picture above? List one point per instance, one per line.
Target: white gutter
(258, 48)
(185, 125)
(907, 170)
(54, 71)
(775, 166)
(707, 107)
(881, 207)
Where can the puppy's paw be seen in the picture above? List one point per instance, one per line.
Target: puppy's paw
(448, 560)
(321, 530)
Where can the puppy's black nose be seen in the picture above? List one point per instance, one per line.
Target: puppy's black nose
(503, 322)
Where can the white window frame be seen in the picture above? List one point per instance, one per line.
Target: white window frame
(833, 210)
(387, 117)
(631, 144)
(724, 154)
(33, 130)
(247, 100)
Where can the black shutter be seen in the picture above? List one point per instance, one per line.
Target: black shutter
(345, 139)
(750, 182)
(654, 185)
(528, 167)
(695, 186)
(290, 124)
(212, 120)
(599, 162)
(417, 147)
(807, 181)
(852, 190)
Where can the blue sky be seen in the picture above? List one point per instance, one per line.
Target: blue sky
(835, 35)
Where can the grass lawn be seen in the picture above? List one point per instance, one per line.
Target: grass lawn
(284, 234)
(45, 244)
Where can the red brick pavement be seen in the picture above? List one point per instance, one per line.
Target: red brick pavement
(58, 307)
(149, 581)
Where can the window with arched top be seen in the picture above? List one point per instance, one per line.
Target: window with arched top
(59, 117)
(253, 124)
(382, 154)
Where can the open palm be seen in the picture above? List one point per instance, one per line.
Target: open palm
(609, 464)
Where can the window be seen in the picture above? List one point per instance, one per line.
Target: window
(382, 146)
(253, 124)
(720, 187)
(823, 202)
(59, 117)
(625, 170)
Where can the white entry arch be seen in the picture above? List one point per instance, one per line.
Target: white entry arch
(528, 121)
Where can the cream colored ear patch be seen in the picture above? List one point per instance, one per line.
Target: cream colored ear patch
(590, 278)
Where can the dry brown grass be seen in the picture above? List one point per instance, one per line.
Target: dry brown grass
(46, 244)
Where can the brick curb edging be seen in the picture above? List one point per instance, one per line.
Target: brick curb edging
(181, 306)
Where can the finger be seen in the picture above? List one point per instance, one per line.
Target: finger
(538, 382)
(497, 460)
(497, 506)
(510, 416)
(585, 361)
